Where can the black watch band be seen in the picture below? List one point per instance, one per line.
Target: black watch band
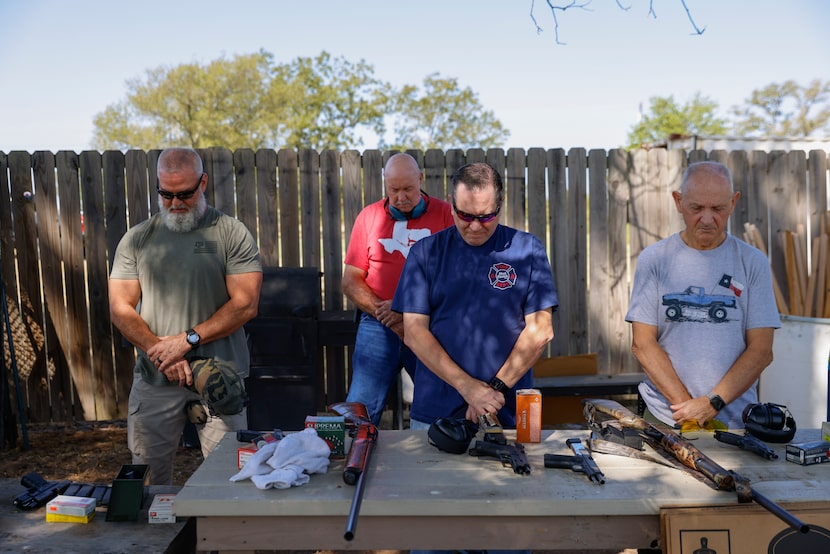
(716, 402)
(497, 384)
(193, 338)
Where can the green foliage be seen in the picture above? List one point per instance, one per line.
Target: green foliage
(444, 116)
(226, 102)
(785, 110)
(666, 118)
(328, 102)
(320, 103)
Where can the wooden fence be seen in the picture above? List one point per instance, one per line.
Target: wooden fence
(61, 216)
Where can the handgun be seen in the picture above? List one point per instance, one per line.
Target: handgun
(581, 462)
(746, 442)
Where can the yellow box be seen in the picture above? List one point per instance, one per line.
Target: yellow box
(63, 518)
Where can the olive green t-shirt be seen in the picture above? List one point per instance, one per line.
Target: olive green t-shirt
(182, 278)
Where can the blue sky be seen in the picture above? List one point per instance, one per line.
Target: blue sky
(63, 61)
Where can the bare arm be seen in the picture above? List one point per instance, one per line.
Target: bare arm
(478, 395)
(241, 307)
(656, 363)
(363, 297)
(742, 375)
(537, 333)
(124, 296)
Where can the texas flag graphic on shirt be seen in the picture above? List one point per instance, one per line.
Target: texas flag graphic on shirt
(728, 282)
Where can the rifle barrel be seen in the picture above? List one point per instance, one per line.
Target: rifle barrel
(357, 499)
(690, 456)
(780, 512)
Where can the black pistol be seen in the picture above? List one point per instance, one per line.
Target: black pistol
(581, 462)
(495, 445)
(40, 491)
(746, 442)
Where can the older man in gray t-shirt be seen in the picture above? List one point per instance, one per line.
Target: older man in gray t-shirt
(702, 310)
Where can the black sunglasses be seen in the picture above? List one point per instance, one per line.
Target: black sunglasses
(186, 195)
(469, 218)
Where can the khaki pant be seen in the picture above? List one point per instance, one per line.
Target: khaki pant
(155, 423)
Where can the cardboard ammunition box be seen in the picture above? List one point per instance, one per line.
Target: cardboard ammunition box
(161, 509)
(243, 454)
(63, 518)
(808, 453)
(77, 506)
(331, 429)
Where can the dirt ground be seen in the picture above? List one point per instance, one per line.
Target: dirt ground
(82, 452)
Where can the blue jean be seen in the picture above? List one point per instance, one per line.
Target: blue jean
(378, 357)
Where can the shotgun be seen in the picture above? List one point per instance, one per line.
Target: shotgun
(364, 436)
(662, 437)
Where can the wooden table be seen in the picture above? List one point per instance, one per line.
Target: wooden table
(419, 497)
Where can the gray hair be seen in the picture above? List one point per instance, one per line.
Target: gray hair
(177, 159)
(710, 168)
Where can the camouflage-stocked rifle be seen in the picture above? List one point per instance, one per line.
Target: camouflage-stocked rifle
(661, 437)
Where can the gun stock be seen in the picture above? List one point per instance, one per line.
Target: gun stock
(663, 437)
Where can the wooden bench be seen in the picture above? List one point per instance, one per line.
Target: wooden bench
(566, 380)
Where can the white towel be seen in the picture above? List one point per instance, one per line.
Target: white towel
(256, 464)
(288, 462)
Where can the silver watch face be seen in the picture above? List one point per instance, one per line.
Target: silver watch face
(193, 338)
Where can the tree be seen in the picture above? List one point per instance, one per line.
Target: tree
(666, 117)
(329, 101)
(785, 110)
(320, 103)
(226, 102)
(442, 115)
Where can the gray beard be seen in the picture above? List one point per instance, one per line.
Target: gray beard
(186, 222)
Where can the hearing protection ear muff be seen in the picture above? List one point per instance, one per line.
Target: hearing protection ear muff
(769, 422)
(417, 212)
(451, 435)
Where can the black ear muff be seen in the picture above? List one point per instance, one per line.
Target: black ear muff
(769, 422)
(451, 435)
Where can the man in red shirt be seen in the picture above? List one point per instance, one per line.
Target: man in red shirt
(381, 237)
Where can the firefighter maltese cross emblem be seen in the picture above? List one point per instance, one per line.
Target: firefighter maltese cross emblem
(502, 276)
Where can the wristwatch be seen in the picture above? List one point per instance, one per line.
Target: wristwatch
(497, 384)
(716, 402)
(193, 338)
